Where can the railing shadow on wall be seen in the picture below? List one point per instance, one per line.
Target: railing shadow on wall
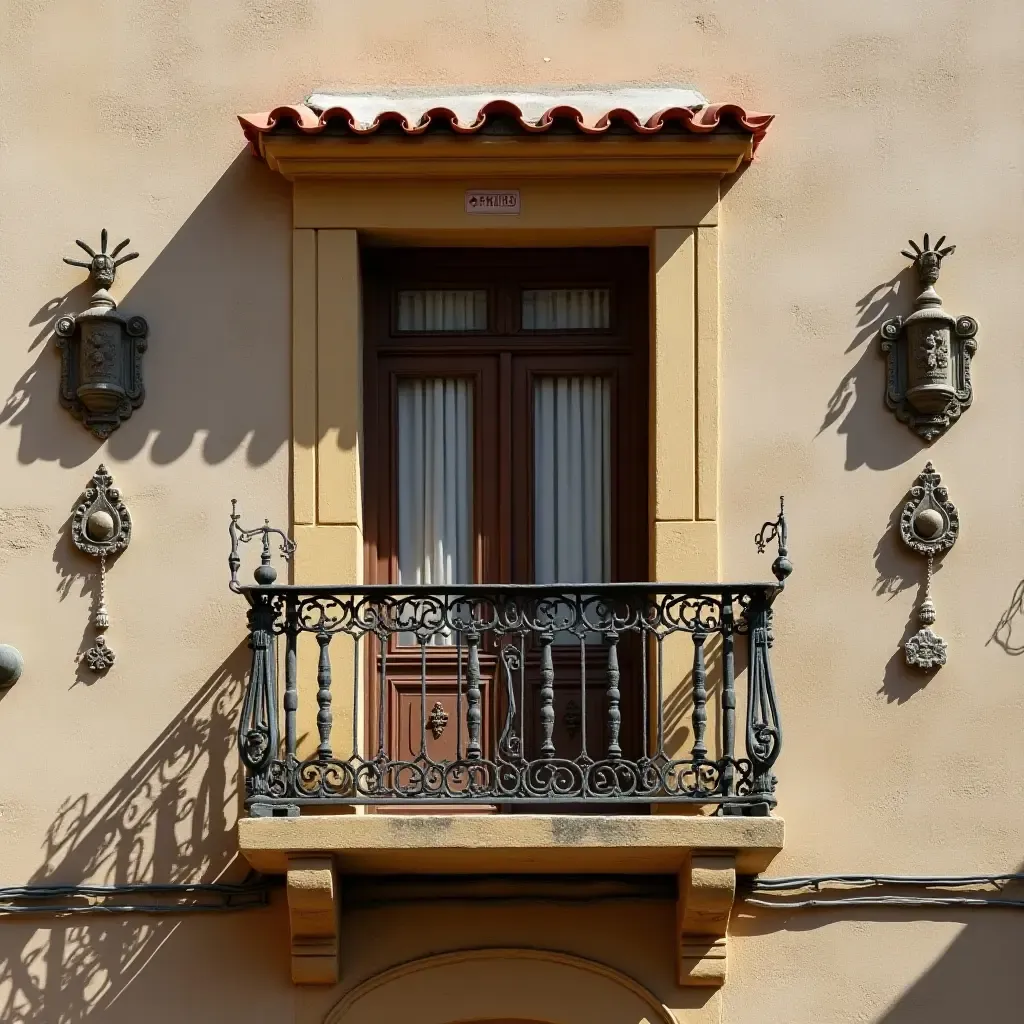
(170, 818)
(855, 403)
(217, 298)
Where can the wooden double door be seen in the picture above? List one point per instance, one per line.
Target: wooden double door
(507, 442)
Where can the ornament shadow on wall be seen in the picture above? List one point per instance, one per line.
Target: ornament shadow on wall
(216, 297)
(855, 409)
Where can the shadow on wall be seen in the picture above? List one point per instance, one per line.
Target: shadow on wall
(169, 819)
(899, 570)
(217, 299)
(1003, 635)
(977, 977)
(855, 403)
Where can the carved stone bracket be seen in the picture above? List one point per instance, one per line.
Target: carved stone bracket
(314, 913)
(707, 891)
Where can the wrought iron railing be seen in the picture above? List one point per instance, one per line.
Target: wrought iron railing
(610, 658)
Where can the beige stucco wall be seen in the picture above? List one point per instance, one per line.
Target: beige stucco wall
(893, 119)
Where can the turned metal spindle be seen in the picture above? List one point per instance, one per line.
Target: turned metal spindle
(382, 682)
(357, 685)
(547, 696)
(458, 696)
(474, 715)
(700, 697)
(324, 717)
(614, 714)
(423, 698)
(291, 685)
(728, 698)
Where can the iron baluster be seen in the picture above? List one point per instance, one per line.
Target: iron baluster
(291, 687)
(458, 696)
(357, 685)
(583, 693)
(764, 729)
(661, 694)
(728, 699)
(423, 697)
(382, 683)
(257, 730)
(547, 695)
(474, 715)
(324, 718)
(700, 700)
(613, 696)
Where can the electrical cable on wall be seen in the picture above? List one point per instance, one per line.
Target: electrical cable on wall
(838, 895)
(204, 897)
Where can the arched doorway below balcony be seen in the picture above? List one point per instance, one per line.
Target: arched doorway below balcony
(500, 986)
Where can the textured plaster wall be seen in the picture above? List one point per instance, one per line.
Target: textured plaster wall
(893, 119)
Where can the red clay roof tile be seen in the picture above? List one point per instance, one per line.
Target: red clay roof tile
(466, 115)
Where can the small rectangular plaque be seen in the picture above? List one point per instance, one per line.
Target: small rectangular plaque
(489, 201)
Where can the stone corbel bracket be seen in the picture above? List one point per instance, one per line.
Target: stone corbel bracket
(707, 891)
(314, 916)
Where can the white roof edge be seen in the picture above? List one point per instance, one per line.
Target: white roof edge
(592, 103)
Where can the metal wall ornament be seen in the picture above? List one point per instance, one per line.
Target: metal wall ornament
(100, 350)
(928, 380)
(929, 525)
(101, 527)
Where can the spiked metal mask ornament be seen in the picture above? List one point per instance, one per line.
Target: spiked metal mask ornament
(100, 350)
(928, 383)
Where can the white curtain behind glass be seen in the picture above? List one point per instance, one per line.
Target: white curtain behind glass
(566, 309)
(572, 480)
(435, 483)
(442, 310)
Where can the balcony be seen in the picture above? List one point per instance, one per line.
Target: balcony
(629, 728)
(557, 667)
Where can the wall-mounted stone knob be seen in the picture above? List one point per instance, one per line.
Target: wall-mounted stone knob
(100, 525)
(928, 523)
(12, 664)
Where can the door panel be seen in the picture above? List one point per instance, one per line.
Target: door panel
(516, 381)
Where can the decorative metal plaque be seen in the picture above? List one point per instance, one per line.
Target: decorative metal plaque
(929, 525)
(101, 528)
(928, 380)
(100, 350)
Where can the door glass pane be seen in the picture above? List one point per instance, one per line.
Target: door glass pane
(572, 480)
(566, 309)
(435, 485)
(435, 309)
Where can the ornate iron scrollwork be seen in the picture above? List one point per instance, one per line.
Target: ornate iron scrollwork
(265, 573)
(929, 525)
(101, 351)
(777, 530)
(928, 380)
(101, 527)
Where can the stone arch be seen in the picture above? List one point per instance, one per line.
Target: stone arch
(500, 985)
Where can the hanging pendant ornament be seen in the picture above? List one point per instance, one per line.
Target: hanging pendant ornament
(101, 528)
(929, 525)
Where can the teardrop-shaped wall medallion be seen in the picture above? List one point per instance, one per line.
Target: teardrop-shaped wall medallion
(101, 527)
(929, 525)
